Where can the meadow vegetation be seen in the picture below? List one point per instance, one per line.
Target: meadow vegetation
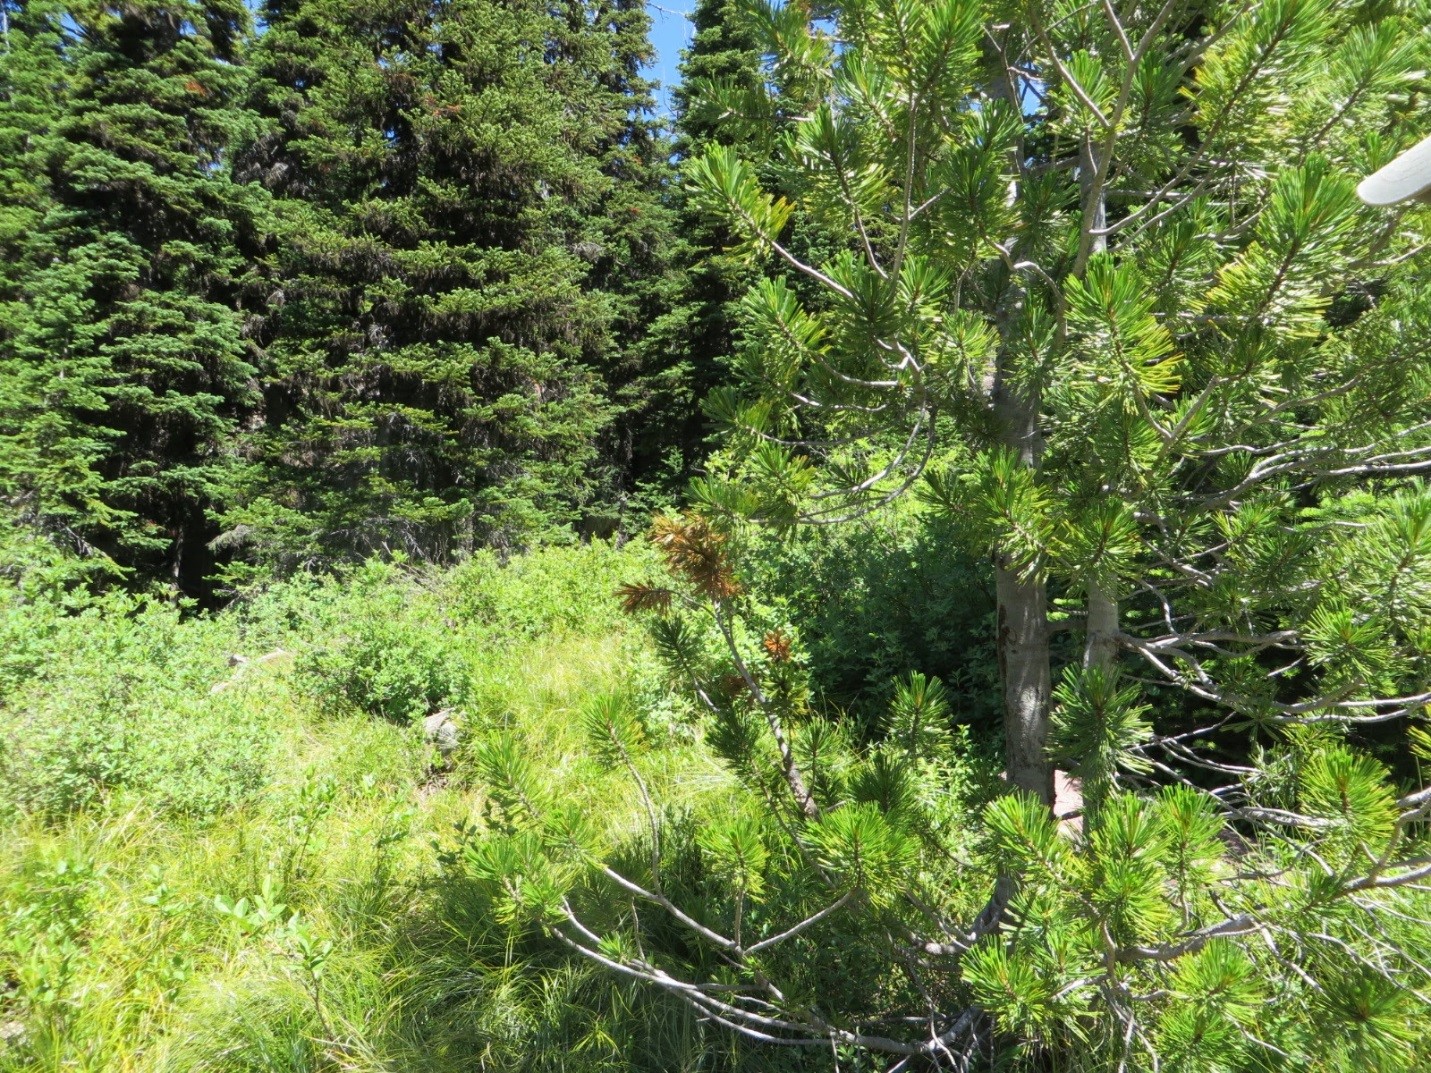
(227, 845)
(225, 836)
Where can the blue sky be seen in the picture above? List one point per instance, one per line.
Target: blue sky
(670, 32)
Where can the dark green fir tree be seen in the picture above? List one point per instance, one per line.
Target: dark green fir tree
(123, 365)
(719, 101)
(439, 340)
(639, 264)
(724, 55)
(32, 87)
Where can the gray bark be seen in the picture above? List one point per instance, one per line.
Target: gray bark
(1100, 637)
(1100, 645)
(1023, 661)
(1095, 208)
(1024, 665)
(1022, 602)
(1023, 630)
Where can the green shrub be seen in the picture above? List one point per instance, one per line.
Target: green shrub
(390, 654)
(553, 590)
(127, 700)
(181, 756)
(385, 667)
(880, 599)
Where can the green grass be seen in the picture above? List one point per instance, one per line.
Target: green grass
(119, 854)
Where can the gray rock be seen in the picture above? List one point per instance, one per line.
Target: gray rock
(440, 729)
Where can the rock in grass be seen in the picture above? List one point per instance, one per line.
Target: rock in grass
(440, 729)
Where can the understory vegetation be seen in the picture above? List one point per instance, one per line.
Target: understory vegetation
(231, 842)
(227, 844)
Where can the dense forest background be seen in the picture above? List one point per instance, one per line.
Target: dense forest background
(292, 285)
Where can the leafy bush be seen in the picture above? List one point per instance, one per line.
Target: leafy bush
(384, 665)
(398, 645)
(382, 646)
(131, 705)
(878, 600)
(559, 589)
(129, 693)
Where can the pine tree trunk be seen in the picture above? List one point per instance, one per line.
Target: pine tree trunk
(1022, 603)
(1023, 631)
(1100, 638)
(1024, 666)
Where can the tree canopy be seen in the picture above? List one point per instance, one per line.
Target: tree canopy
(369, 280)
(126, 371)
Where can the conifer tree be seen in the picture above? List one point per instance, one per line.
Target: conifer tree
(457, 185)
(639, 266)
(122, 357)
(723, 59)
(1065, 301)
(1100, 290)
(32, 77)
